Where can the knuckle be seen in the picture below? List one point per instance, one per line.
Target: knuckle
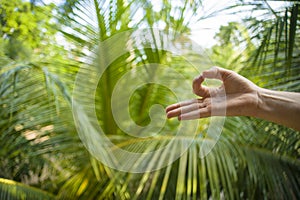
(206, 101)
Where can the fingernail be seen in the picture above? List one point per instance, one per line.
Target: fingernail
(169, 115)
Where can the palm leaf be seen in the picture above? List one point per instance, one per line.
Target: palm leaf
(221, 172)
(252, 159)
(33, 101)
(14, 190)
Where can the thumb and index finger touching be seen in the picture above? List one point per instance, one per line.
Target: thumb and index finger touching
(212, 73)
(199, 89)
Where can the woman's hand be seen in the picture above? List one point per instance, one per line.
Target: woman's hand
(240, 97)
(237, 96)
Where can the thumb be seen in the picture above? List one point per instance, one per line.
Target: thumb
(212, 73)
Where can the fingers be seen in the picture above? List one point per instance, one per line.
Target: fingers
(200, 108)
(216, 73)
(191, 109)
(212, 73)
(180, 104)
(195, 114)
(198, 88)
(197, 83)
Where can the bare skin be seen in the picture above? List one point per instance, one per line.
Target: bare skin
(243, 98)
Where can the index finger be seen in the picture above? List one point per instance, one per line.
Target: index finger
(216, 73)
(197, 84)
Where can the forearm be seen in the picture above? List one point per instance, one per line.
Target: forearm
(279, 107)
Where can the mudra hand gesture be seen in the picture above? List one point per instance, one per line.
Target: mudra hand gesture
(243, 98)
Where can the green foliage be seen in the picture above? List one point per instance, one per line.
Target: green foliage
(234, 47)
(13, 190)
(24, 27)
(253, 159)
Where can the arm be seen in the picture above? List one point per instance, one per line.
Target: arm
(279, 107)
(243, 98)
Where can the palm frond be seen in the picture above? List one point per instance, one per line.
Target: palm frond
(14, 190)
(277, 54)
(252, 159)
(32, 102)
(215, 176)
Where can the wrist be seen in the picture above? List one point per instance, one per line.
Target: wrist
(261, 106)
(257, 105)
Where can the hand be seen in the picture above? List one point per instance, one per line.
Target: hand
(241, 97)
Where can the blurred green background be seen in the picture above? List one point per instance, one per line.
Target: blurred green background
(42, 47)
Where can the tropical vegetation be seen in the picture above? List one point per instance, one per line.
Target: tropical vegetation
(43, 46)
